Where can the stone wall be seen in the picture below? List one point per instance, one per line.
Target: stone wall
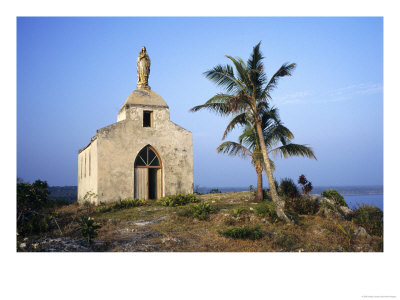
(119, 144)
(87, 172)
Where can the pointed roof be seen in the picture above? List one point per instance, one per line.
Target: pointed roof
(144, 97)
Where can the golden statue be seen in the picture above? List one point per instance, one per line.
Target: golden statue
(143, 69)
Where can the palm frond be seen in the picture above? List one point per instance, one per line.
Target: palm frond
(285, 70)
(240, 119)
(241, 71)
(249, 137)
(294, 150)
(256, 72)
(233, 149)
(220, 104)
(224, 76)
(278, 133)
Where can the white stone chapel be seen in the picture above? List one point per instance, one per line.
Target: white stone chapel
(142, 155)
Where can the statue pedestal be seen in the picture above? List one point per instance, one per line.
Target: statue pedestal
(142, 86)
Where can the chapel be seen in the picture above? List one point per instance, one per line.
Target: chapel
(142, 155)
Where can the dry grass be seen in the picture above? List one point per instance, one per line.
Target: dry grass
(167, 230)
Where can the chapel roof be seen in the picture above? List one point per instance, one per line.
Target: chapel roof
(144, 97)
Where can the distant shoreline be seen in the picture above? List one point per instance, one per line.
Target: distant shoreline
(344, 190)
(69, 193)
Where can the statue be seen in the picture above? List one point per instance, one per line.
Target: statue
(143, 69)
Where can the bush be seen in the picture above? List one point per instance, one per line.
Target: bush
(177, 200)
(104, 209)
(306, 185)
(286, 240)
(88, 228)
(122, 204)
(371, 218)
(33, 207)
(288, 188)
(302, 205)
(36, 225)
(266, 209)
(128, 203)
(335, 196)
(237, 211)
(214, 191)
(199, 211)
(244, 232)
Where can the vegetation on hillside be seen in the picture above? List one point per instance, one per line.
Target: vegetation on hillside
(208, 222)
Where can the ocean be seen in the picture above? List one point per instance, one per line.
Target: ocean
(354, 200)
(353, 195)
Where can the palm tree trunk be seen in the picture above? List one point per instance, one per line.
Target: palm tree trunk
(259, 193)
(279, 204)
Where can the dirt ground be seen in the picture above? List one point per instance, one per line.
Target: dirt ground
(157, 228)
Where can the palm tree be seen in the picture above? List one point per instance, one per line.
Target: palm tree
(274, 133)
(248, 91)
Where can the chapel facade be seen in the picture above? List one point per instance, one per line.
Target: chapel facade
(142, 155)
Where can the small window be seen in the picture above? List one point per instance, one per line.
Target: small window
(90, 162)
(147, 118)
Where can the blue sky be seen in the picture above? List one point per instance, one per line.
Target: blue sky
(73, 75)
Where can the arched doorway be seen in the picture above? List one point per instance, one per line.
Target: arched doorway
(148, 177)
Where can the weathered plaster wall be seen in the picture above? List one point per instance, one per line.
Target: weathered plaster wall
(87, 172)
(119, 144)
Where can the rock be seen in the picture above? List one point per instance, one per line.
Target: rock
(22, 245)
(330, 209)
(63, 244)
(328, 212)
(327, 200)
(345, 211)
(361, 232)
(168, 239)
(149, 222)
(315, 197)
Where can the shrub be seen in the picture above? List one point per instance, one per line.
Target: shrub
(302, 205)
(128, 203)
(104, 209)
(122, 204)
(33, 207)
(266, 209)
(199, 211)
(306, 185)
(177, 200)
(369, 217)
(286, 240)
(335, 196)
(88, 228)
(288, 188)
(36, 225)
(244, 232)
(237, 211)
(214, 191)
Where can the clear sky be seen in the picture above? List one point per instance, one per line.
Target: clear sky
(74, 74)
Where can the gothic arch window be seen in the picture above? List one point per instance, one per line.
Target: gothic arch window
(148, 174)
(147, 157)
